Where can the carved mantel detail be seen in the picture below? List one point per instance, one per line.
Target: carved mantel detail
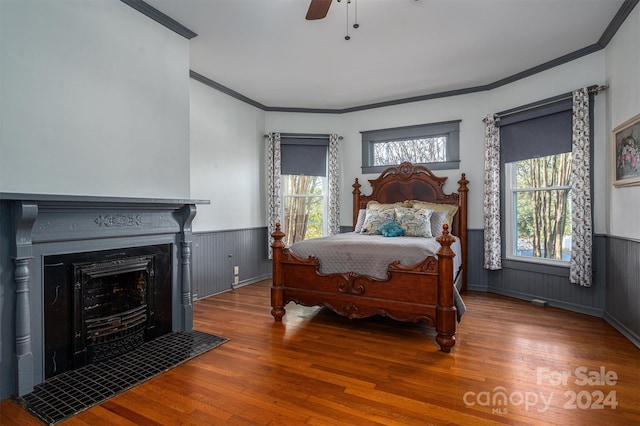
(119, 220)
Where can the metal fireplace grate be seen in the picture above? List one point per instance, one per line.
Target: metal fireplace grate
(74, 391)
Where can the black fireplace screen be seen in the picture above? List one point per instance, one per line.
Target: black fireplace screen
(102, 304)
(113, 308)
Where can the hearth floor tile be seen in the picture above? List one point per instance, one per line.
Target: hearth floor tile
(74, 391)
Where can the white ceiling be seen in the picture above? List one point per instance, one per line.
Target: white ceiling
(267, 51)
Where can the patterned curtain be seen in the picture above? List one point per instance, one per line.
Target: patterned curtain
(492, 239)
(580, 263)
(333, 221)
(274, 185)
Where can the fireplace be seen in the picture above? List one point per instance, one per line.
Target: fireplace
(87, 278)
(102, 304)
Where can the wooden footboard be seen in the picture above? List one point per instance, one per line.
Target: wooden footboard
(420, 292)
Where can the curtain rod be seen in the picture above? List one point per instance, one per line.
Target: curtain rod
(595, 90)
(303, 136)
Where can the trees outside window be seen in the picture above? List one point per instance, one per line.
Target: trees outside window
(415, 150)
(539, 207)
(304, 205)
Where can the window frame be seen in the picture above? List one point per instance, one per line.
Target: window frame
(510, 234)
(450, 129)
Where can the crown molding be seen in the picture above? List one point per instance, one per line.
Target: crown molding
(160, 17)
(604, 40)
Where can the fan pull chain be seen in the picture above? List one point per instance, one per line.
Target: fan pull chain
(347, 36)
(355, 21)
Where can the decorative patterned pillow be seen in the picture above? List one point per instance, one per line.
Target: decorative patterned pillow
(437, 220)
(415, 222)
(362, 213)
(374, 219)
(391, 229)
(451, 210)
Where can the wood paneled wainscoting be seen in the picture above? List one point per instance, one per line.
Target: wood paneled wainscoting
(513, 363)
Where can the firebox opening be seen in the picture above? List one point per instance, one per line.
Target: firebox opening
(114, 310)
(102, 304)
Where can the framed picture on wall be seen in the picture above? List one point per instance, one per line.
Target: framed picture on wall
(626, 153)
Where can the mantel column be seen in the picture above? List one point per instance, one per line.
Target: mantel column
(24, 217)
(188, 213)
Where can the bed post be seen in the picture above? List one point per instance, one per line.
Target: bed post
(277, 296)
(445, 311)
(462, 191)
(356, 202)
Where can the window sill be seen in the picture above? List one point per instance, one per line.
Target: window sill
(444, 165)
(560, 269)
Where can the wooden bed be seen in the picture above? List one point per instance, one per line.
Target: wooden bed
(420, 292)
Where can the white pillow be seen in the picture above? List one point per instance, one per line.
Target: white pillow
(362, 213)
(437, 220)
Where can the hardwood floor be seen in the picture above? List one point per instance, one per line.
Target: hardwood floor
(318, 368)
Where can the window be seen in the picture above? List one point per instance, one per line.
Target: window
(536, 156)
(304, 188)
(304, 205)
(537, 206)
(435, 145)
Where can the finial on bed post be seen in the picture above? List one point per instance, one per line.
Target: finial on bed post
(277, 235)
(445, 310)
(356, 201)
(277, 283)
(463, 191)
(446, 240)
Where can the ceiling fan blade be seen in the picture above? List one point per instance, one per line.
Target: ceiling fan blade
(318, 9)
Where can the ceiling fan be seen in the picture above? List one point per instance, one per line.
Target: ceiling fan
(318, 9)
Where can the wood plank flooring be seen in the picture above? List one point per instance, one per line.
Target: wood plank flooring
(316, 368)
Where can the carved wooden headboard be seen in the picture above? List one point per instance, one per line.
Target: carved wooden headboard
(413, 182)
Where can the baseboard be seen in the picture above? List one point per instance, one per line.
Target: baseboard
(623, 329)
(477, 287)
(250, 281)
(594, 312)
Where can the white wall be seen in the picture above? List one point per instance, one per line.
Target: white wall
(471, 109)
(227, 161)
(623, 71)
(95, 101)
